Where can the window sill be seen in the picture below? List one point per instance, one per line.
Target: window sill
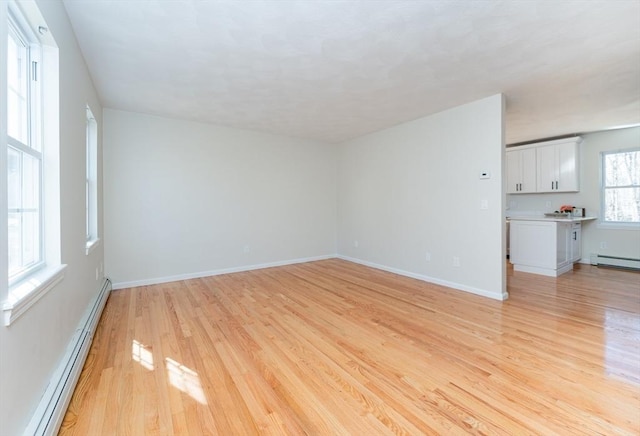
(618, 226)
(27, 292)
(91, 245)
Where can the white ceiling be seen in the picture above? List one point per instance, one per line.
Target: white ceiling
(335, 70)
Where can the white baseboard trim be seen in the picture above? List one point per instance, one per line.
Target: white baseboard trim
(629, 263)
(217, 272)
(484, 293)
(48, 416)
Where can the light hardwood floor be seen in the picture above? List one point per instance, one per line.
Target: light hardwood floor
(331, 347)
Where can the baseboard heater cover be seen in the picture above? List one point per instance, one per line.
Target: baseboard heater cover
(48, 416)
(615, 261)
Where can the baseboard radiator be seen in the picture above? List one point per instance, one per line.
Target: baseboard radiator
(615, 262)
(50, 412)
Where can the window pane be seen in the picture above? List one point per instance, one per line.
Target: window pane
(17, 81)
(622, 169)
(14, 178)
(622, 204)
(30, 239)
(23, 176)
(30, 182)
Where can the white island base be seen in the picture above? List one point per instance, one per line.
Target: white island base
(546, 246)
(543, 271)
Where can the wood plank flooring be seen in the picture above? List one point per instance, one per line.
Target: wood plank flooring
(336, 348)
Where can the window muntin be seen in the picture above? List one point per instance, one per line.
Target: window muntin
(621, 187)
(24, 157)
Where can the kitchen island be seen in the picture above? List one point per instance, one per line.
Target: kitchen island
(546, 245)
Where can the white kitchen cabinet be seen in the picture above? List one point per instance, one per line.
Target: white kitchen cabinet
(544, 246)
(550, 166)
(521, 170)
(557, 166)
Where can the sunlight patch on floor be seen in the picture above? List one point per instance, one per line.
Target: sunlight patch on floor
(185, 380)
(142, 354)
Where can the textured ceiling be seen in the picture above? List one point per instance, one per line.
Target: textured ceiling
(335, 70)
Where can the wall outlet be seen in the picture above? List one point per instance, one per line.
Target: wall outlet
(427, 257)
(547, 205)
(247, 249)
(604, 245)
(355, 244)
(456, 261)
(484, 204)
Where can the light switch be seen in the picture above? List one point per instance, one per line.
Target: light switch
(484, 204)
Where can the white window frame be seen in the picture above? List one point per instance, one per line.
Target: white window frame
(604, 223)
(33, 145)
(17, 296)
(91, 183)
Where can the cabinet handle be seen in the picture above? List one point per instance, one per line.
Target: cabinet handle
(552, 186)
(556, 184)
(575, 236)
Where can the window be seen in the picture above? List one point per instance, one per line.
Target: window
(30, 151)
(91, 191)
(621, 187)
(24, 154)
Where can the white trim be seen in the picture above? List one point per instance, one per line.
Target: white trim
(615, 261)
(48, 417)
(482, 292)
(602, 222)
(549, 272)
(619, 225)
(91, 245)
(27, 293)
(197, 275)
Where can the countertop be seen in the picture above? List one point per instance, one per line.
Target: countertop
(551, 218)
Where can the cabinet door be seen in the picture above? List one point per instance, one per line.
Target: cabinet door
(521, 171)
(567, 162)
(514, 176)
(528, 157)
(557, 167)
(547, 168)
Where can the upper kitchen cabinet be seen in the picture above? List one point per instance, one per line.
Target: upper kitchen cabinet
(550, 166)
(521, 170)
(557, 165)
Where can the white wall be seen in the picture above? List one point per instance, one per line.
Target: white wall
(31, 348)
(185, 199)
(415, 189)
(619, 242)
